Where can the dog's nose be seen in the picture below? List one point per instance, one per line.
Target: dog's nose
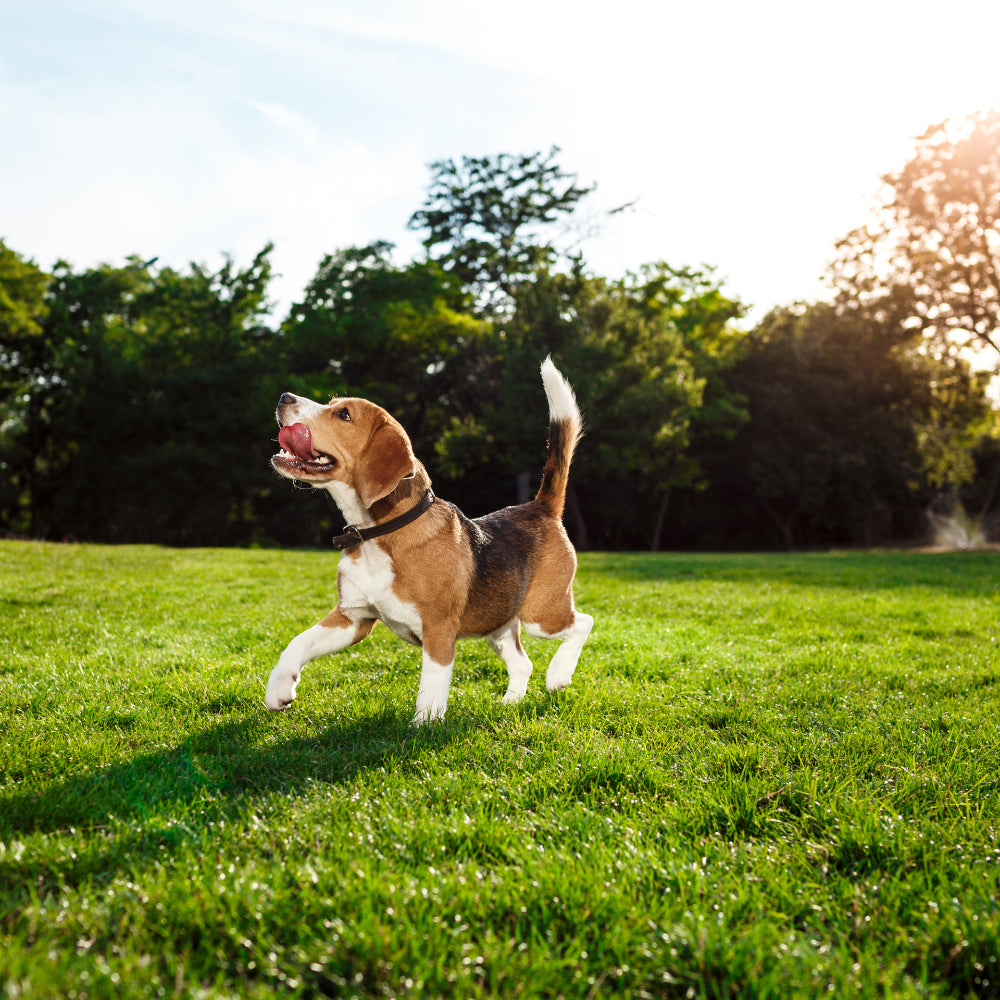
(286, 399)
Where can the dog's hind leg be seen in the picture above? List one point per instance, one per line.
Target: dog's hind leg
(506, 643)
(572, 638)
(334, 633)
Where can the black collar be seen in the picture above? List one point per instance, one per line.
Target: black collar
(353, 535)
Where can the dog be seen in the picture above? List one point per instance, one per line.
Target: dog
(416, 563)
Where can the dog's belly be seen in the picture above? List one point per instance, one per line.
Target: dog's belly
(365, 585)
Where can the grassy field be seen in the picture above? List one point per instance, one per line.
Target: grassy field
(773, 776)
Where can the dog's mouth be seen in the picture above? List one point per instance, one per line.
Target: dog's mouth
(297, 454)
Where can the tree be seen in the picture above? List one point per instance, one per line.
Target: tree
(22, 301)
(979, 498)
(194, 383)
(936, 240)
(147, 396)
(850, 423)
(402, 336)
(25, 373)
(89, 317)
(47, 366)
(489, 219)
(637, 352)
(651, 342)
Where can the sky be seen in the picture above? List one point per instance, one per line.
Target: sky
(750, 136)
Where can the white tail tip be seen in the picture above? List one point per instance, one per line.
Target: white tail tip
(562, 401)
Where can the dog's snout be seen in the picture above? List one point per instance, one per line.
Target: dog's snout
(287, 399)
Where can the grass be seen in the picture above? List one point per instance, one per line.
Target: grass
(773, 776)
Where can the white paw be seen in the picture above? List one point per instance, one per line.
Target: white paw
(556, 680)
(280, 690)
(429, 714)
(512, 697)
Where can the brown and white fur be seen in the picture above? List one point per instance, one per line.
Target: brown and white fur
(442, 577)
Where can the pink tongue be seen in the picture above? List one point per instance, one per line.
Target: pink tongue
(297, 439)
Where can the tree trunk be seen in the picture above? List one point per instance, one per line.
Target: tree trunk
(34, 503)
(784, 526)
(661, 519)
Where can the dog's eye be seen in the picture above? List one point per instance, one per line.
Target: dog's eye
(344, 414)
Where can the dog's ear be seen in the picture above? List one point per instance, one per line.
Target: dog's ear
(386, 461)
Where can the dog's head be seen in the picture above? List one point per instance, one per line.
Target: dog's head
(351, 441)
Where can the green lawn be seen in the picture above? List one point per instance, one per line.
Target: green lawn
(773, 776)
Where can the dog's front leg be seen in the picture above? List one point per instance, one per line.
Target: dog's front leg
(334, 633)
(435, 674)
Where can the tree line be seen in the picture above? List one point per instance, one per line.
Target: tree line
(136, 402)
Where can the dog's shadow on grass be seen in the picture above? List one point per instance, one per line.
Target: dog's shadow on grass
(227, 763)
(125, 813)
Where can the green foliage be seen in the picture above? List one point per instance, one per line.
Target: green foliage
(23, 374)
(137, 403)
(400, 335)
(638, 352)
(938, 237)
(404, 337)
(489, 219)
(144, 392)
(22, 298)
(979, 496)
(772, 776)
(851, 425)
(468, 390)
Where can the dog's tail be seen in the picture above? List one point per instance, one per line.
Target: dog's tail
(565, 430)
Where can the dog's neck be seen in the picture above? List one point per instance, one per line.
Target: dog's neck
(351, 508)
(401, 499)
(409, 492)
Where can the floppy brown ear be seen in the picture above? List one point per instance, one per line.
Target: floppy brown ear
(386, 461)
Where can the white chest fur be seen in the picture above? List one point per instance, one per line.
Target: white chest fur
(365, 585)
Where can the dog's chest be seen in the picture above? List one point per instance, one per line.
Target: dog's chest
(365, 584)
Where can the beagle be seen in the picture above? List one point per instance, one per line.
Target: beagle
(416, 563)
